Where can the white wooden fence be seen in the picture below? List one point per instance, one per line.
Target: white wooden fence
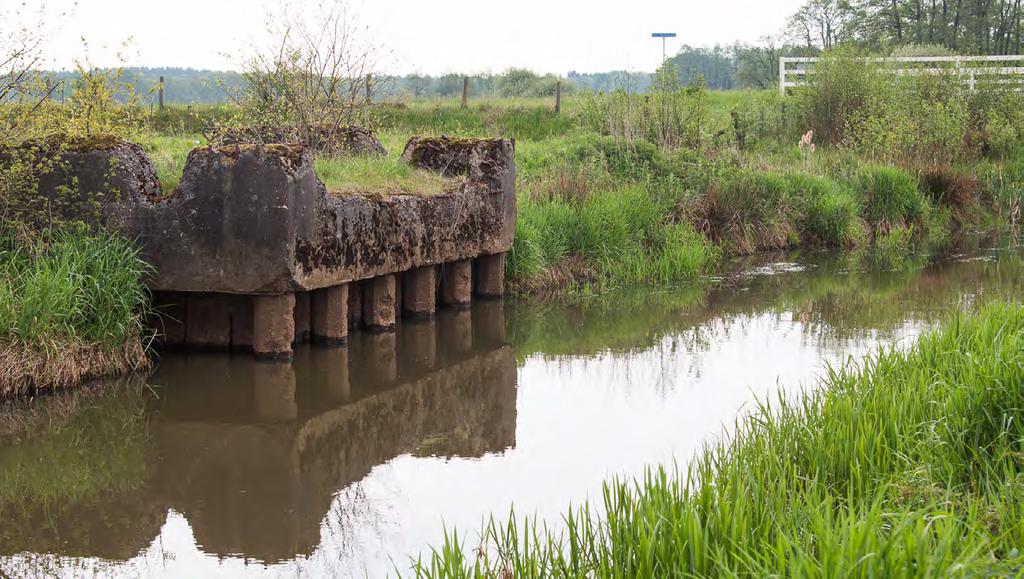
(1005, 70)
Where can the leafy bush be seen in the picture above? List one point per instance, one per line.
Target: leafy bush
(914, 118)
(523, 83)
(840, 88)
(758, 119)
(669, 116)
(1001, 118)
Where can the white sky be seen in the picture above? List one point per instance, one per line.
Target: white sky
(426, 36)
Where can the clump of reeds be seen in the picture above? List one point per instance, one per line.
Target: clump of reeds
(72, 305)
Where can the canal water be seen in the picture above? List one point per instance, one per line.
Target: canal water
(352, 461)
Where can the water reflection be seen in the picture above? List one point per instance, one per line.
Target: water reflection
(352, 459)
(251, 453)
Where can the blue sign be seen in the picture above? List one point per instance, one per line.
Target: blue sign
(663, 35)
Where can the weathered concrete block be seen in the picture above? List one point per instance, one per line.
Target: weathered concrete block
(379, 303)
(457, 283)
(273, 325)
(489, 275)
(419, 292)
(330, 314)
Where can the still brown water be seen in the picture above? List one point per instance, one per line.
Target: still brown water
(353, 460)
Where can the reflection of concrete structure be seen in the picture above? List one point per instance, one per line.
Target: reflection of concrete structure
(251, 453)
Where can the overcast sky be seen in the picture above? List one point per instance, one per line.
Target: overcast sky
(426, 36)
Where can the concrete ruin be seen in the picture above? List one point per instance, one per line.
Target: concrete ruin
(251, 252)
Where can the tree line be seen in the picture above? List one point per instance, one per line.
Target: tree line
(884, 27)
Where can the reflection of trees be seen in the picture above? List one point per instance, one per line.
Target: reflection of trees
(252, 453)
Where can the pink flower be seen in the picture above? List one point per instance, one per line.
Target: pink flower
(806, 142)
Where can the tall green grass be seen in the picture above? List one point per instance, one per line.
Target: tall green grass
(607, 238)
(384, 175)
(72, 284)
(892, 197)
(72, 305)
(908, 464)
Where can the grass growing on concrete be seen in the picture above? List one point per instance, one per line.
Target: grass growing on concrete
(345, 176)
(380, 175)
(907, 465)
(169, 153)
(71, 308)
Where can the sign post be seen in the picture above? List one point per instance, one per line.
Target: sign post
(664, 36)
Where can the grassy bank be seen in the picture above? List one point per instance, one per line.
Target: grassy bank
(907, 465)
(71, 309)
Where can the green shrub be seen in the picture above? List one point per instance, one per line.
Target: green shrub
(758, 119)
(840, 88)
(668, 116)
(892, 197)
(1001, 117)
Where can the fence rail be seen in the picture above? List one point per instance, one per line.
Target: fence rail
(973, 70)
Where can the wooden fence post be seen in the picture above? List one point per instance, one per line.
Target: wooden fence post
(465, 90)
(558, 97)
(161, 93)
